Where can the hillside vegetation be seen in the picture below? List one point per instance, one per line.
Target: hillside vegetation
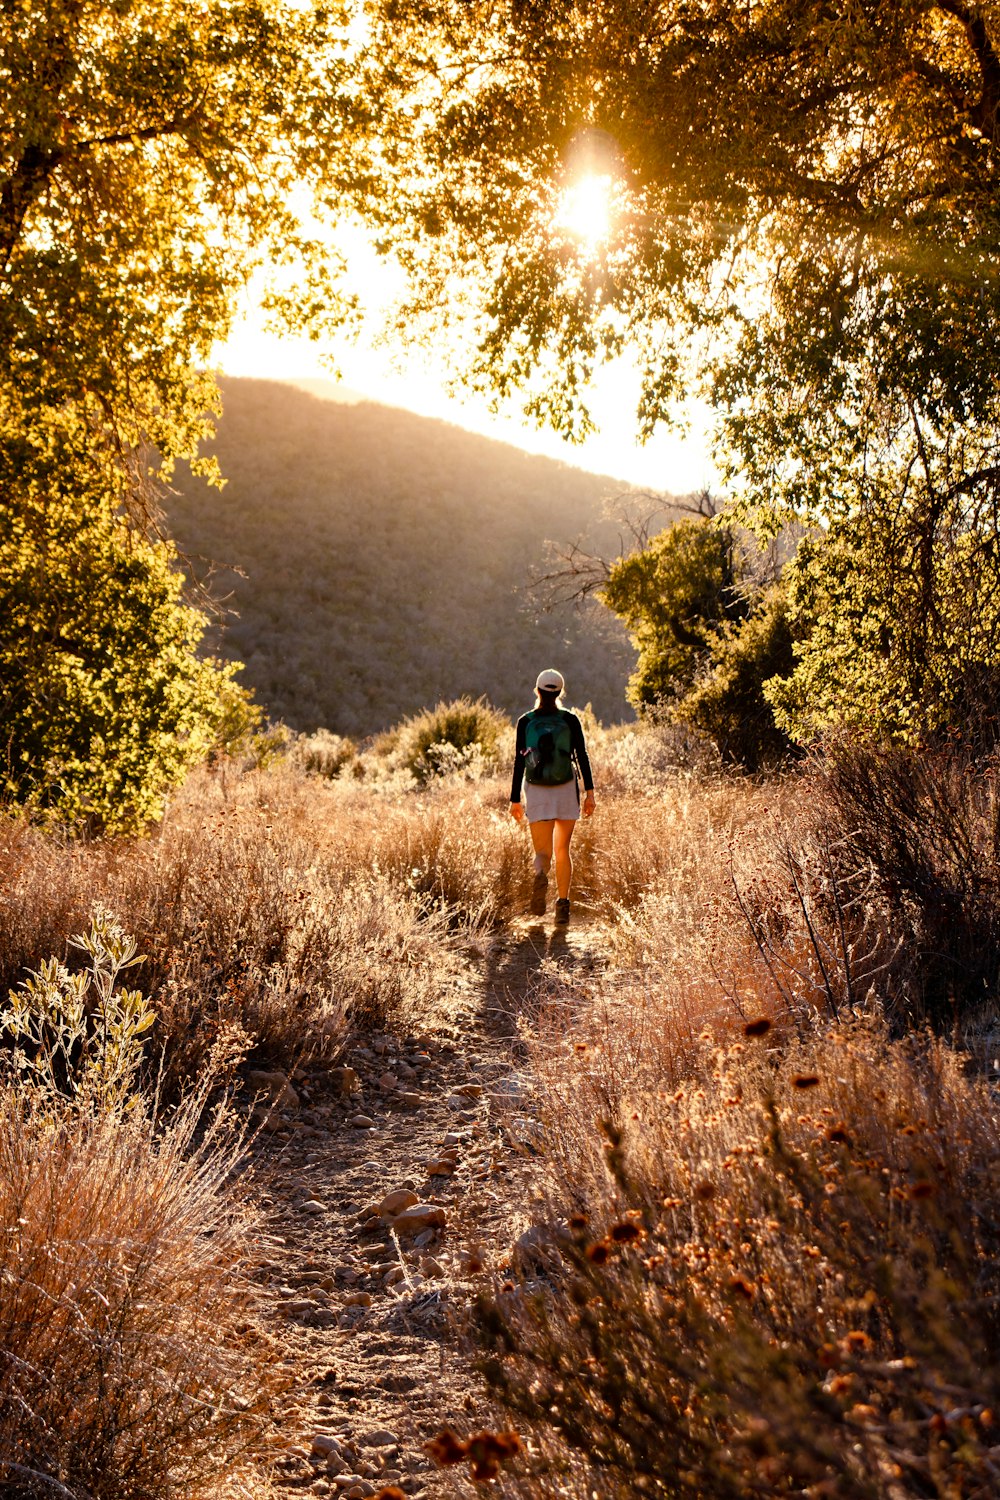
(377, 562)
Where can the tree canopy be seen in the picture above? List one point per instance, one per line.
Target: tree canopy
(154, 154)
(805, 226)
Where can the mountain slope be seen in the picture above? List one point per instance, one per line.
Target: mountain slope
(377, 561)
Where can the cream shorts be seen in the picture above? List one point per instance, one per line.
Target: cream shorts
(542, 803)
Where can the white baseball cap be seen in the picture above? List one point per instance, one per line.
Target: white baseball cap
(549, 681)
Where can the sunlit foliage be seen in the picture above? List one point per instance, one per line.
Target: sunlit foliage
(709, 636)
(805, 229)
(103, 699)
(155, 153)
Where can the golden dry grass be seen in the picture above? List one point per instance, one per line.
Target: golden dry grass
(779, 1275)
(134, 1364)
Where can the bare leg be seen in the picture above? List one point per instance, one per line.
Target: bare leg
(561, 835)
(541, 839)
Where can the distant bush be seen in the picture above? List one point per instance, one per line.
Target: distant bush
(426, 743)
(779, 1274)
(323, 753)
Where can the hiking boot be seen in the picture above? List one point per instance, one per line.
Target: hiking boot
(562, 911)
(538, 890)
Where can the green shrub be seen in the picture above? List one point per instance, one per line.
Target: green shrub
(727, 701)
(78, 1035)
(425, 744)
(104, 700)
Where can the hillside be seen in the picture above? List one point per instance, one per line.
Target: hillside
(376, 561)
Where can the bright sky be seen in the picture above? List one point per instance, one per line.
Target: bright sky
(677, 463)
(668, 461)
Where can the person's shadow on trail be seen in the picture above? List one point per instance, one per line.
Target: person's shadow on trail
(519, 970)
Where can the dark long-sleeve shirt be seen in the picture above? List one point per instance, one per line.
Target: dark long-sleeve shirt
(579, 753)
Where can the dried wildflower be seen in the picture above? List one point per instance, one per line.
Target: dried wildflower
(581, 1047)
(839, 1135)
(704, 1190)
(487, 1450)
(862, 1412)
(598, 1253)
(578, 1222)
(626, 1232)
(922, 1189)
(742, 1287)
(446, 1449)
(760, 1027)
(805, 1080)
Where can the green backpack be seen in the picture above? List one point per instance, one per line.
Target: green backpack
(548, 758)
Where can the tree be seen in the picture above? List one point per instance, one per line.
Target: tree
(806, 226)
(155, 154)
(104, 701)
(710, 634)
(673, 594)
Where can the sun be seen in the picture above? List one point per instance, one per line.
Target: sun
(585, 210)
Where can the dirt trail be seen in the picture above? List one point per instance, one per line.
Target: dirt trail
(369, 1319)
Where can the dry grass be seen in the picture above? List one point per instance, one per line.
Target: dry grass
(133, 1362)
(272, 904)
(780, 1275)
(773, 1259)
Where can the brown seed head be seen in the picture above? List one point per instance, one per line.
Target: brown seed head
(742, 1287)
(760, 1027)
(446, 1449)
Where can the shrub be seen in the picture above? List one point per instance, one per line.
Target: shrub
(79, 1033)
(777, 1274)
(727, 702)
(924, 824)
(323, 753)
(461, 725)
(262, 909)
(104, 698)
(133, 1366)
(244, 924)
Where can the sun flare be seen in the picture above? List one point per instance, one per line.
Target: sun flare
(585, 209)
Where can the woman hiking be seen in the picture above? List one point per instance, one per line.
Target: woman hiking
(549, 751)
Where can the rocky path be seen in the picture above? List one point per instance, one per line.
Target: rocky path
(391, 1182)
